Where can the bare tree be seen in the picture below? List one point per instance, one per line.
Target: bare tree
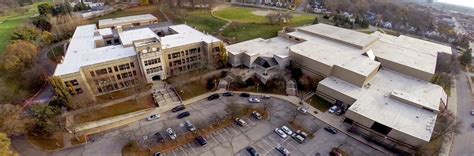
(447, 124)
(13, 121)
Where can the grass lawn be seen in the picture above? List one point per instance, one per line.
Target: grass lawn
(201, 19)
(239, 14)
(55, 141)
(191, 89)
(114, 110)
(247, 26)
(260, 90)
(149, 9)
(319, 103)
(12, 21)
(121, 93)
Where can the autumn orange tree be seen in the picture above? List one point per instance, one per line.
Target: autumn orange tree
(18, 57)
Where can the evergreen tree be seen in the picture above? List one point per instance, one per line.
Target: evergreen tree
(61, 91)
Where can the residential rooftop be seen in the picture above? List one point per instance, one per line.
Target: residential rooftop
(127, 37)
(262, 47)
(128, 19)
(184, 35)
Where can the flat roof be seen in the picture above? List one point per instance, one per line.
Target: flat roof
(340, 34)
(127, 37)
(332, 53)
(185, 35)
(82, 52)
(266, 48)
(406, 57)
(126, 19)
(374, 101)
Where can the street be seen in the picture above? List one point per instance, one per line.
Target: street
(463, 142)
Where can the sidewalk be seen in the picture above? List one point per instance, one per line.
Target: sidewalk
(452, 106)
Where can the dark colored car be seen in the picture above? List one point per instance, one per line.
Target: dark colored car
(228, 94)
(213, 96)
(330, 130)
(183, 115)
(252, 151)
(178, 108)
(244, 95)
(201, 141)
(159, 137)
(157, 154)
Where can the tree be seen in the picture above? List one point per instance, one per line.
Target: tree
(44, 111)
(26, 34)
(13, 122)
(5, 146)
(466, 57)
(296, 73)
(316, 21)
(60, 90)
(446, 124)
(45, 9)
(144, 2)
(33, 78)
(42, 23)
(19, 57)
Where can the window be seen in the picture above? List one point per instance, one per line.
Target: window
(100, 90)
(127, 74)
(132, 65)
(118, 77)
(109, 42)
(216, 49)
(124, 66)
(169, 56)
(79, 91)
(153, 70)
(175, 55)
(110, 70)
(101, 72)
(151, 62)
(115, 69)
(135, 73)
(92, 73)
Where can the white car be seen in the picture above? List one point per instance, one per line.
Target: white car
(240, 122)
(472, 112)
(171, 133)
(153, 117)
(303, 110)
(286, 130)
(254, 100)
(280, 133)
(190, 126)
(333, 109)
(282, 150)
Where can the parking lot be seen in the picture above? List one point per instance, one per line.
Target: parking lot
(259, 134)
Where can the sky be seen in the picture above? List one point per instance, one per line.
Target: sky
(468, 3)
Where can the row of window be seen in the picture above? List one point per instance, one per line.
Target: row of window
(184, 53)
(152, 61)
(182, 61)
(116, 86)
(109, 69)
(153, 49)
(71, 83)
(154, 70)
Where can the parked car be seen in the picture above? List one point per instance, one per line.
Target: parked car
(286, 130)
(472, 125)
(190, 126)
(212, 97)
(282, 150)
(302, 110)
(157, 154)
(330, 130)
(159, 137)
(298, 138)
(228, 94)
(240, 122)
(303, 134)
(254, 100)
(244, 95)
(171, 133)
(201, 141)
(280, 133)
(183, 115)
(338, 112)
(256, 115)
(252, 151)
(472, 112)
(153, 117)
(266, 97)
(178, 108)
(333, 109)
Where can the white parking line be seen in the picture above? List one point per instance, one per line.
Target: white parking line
(192, 149)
